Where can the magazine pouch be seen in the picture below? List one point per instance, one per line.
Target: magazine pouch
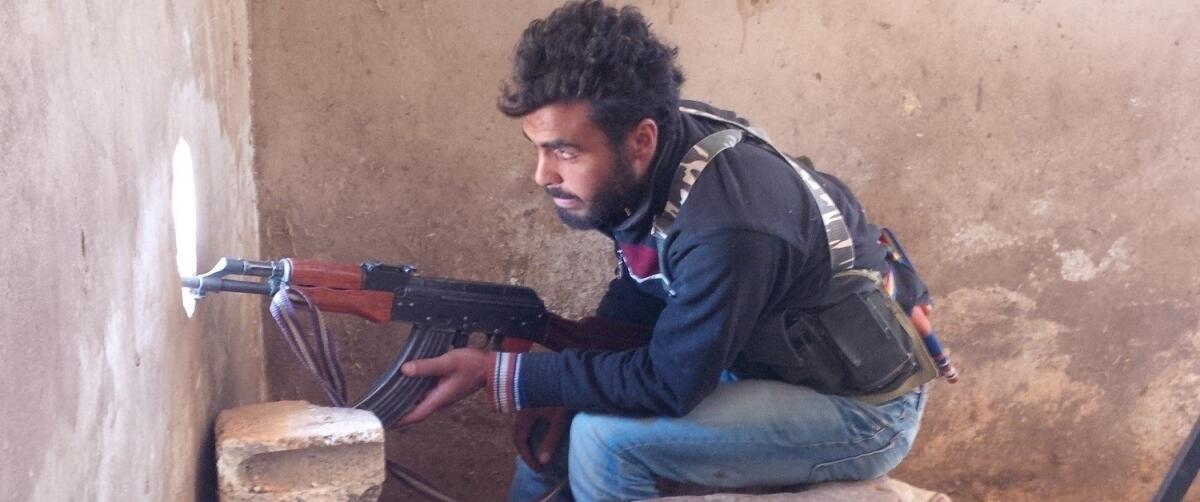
(855, 342)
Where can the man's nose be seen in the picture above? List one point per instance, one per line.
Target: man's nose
(546, 173)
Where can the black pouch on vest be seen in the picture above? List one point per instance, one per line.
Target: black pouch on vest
(867, 350)
(855, 342)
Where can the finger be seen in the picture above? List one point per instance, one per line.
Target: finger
(419, 412)
(521, 441)
(520, 430)
(554, 434)
(527, 457)
(433, 401)
(416, 415)
(436, 366)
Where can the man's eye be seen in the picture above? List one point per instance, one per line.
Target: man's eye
(566, 153)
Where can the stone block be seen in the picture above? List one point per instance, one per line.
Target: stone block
(875, 490)
(297, 451)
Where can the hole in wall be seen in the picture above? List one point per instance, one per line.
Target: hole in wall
(183, 212)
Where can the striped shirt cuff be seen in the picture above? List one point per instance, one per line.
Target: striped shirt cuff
(504, 382)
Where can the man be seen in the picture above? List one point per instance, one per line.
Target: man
(598, 96)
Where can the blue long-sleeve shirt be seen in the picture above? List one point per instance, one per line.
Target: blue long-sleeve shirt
(746, 247)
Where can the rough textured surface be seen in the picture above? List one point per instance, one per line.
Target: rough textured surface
(293, 450)
(1037, 158)
(876, 490)
(110, 390)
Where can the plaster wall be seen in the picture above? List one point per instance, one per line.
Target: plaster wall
(1037, 158)
(110, 389)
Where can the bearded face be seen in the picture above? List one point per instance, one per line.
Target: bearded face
(593, 183)
(609, 205)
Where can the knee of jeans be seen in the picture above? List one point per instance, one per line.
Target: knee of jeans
(591, 454)
(593, 436)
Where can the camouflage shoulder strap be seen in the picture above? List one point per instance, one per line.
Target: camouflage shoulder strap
(693, 163)
(841, 245)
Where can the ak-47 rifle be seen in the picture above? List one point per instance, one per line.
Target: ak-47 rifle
(442, 312)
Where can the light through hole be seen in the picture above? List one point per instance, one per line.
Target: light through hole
(183, 211)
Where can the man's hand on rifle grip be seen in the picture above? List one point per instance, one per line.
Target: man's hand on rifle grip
(460, 372)
(557, 419)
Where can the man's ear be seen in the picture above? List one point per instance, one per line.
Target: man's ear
(641, 143)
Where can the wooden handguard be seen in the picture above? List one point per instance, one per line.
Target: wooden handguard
(325, 274)
(374, 306)
(338, 287)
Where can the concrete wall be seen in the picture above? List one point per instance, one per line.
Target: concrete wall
(1036, 157)
(109, 389)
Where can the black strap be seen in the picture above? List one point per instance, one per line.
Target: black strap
(1183, 470)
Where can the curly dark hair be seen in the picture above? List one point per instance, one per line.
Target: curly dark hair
(586, 50)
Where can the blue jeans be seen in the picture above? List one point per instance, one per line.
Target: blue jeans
(747, 433)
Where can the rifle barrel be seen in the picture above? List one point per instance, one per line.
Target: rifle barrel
(204, 285)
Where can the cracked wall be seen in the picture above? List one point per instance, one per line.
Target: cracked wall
(1037, 159)
(111, 390)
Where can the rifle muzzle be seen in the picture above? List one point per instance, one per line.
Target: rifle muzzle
(214, 281)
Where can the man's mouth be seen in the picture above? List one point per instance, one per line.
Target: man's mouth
(566, 203)
(562, 198)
